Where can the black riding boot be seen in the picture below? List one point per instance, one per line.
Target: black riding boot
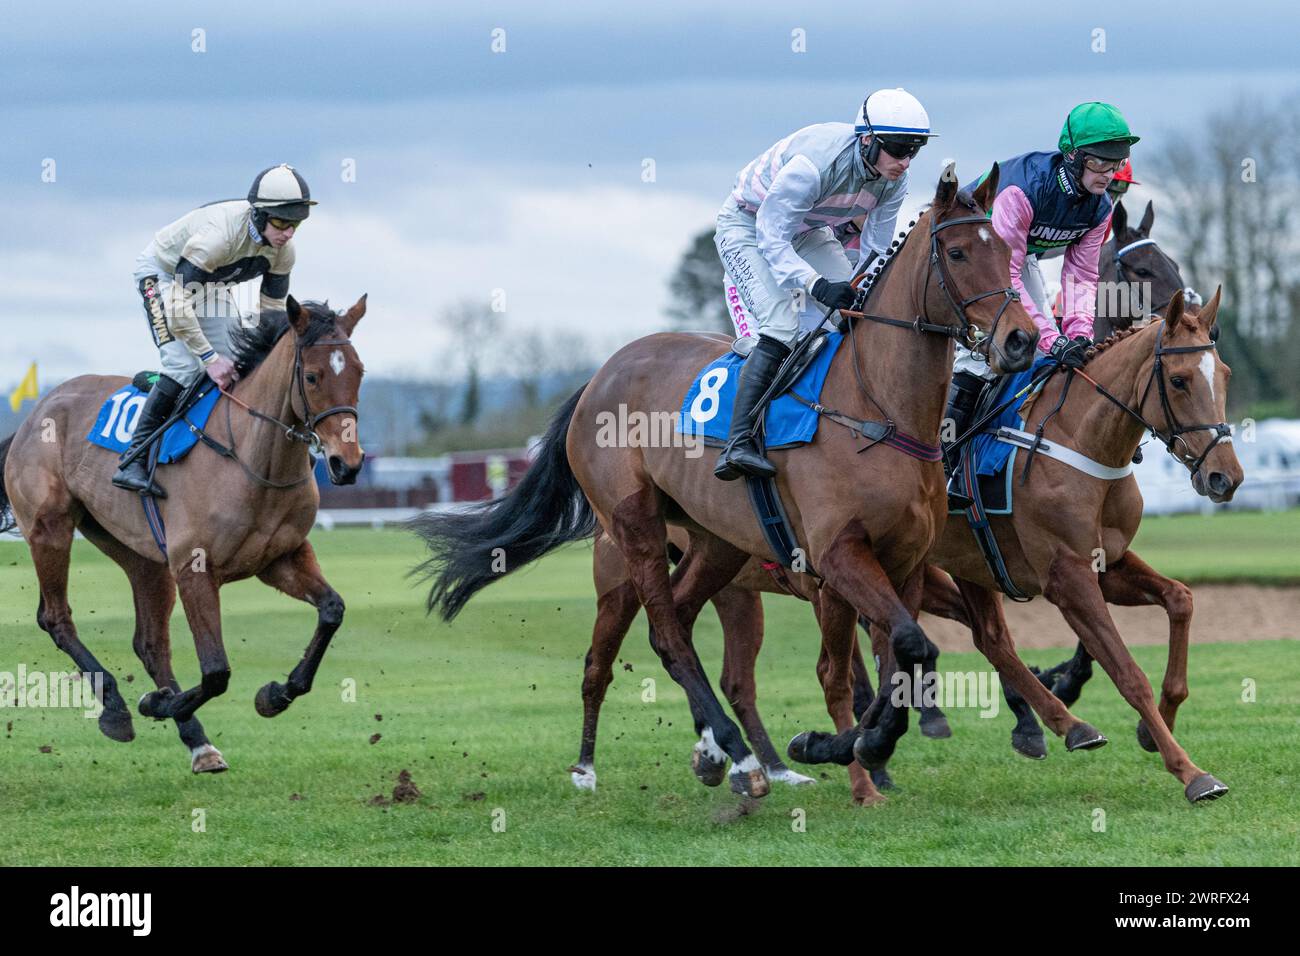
(740, 456)
(963, 396)
(159, 404)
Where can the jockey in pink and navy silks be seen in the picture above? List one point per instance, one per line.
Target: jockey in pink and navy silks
(1048, 202)
(782, 232)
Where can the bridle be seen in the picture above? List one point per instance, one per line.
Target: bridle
(304, 432)
(1122, 251)
(1174, 438)
(966, 333)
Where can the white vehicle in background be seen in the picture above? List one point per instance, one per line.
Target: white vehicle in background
(1269, 454)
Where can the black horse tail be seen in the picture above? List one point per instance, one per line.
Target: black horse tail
(6, 513)
(468, 550)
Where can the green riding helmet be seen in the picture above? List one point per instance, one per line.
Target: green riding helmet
(1097, 129)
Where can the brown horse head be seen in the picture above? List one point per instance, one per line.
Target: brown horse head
(971, 272)
(1146, 277)
(1196, 392)
(329, 382)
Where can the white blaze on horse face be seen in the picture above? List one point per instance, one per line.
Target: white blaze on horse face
(337, 361)
(984, 234)
(1207, 369)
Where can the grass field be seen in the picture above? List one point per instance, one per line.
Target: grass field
(485, 714)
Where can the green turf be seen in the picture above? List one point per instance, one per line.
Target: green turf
(1259, 547)
(486, 715)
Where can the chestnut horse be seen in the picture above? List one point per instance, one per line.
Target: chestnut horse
(863, 521)
(226, 518)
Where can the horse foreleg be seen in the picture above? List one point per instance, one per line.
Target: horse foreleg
(740, 612)
(993, 640)
(200, 597)
(853, 570)
(1131, 581)
(1074, 588)
(298, 575)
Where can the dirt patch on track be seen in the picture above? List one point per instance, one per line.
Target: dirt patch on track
(1224, 612)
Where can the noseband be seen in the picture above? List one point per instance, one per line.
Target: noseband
(1121, 251)
(305, 433)
(1174, 439)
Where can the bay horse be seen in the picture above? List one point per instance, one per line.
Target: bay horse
(226, 518)
(1129, 258)
(864, 521)
(1136, 278)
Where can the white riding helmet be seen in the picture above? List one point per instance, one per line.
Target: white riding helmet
(893, 113)
(281, 192)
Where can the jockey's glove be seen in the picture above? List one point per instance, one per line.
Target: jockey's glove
(834, 295)
(1072, 353)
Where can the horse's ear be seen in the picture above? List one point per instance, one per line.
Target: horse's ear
(349, 319)
(1148, 218)
(988, 190)
(299, 317)
(947, 191)
(1119, 220)
(1174, 311)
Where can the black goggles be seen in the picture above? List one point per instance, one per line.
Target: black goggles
(902, 147)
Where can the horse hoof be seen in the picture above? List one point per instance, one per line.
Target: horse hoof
(884, 781)
(583, 777)
(152, 704)
(873, 799)
(935, 727)
(709, 762)
(783, 774)
(207, 759)
(1084, 737)
(1032, 746)
(272, 699)
(802, 747)
(116, 725)
(1145, 740)
(1205, 787)
(871, 751)
(749, 780)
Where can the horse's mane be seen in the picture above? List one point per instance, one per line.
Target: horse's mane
(1119, 336)
(878, 270)
(252, 345)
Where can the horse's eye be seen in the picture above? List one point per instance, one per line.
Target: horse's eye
(1144, 273)
(956, 255)
(311, 378)
(1177, 381)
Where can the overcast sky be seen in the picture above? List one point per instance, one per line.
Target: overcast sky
(519, 170)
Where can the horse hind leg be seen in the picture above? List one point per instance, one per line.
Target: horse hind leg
(50, 540)
(616, 607)
(637, 527)
(154, 592)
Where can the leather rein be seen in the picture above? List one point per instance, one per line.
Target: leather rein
(304, 432)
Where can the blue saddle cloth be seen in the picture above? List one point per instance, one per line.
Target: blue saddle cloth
(116, 422)
(706, 410)
(993, 457)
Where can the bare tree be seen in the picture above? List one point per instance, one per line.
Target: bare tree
(1233, 188)
(471, 324)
